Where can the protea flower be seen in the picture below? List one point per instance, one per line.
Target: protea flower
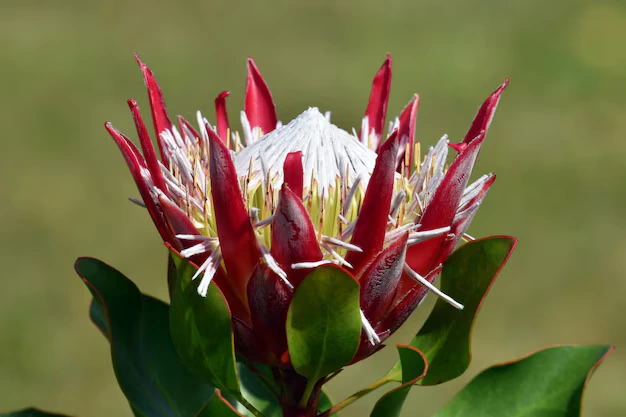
(258, 211)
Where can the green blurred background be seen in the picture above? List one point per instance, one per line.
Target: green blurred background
(558, 145)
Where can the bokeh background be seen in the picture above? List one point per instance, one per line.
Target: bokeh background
(558, 145)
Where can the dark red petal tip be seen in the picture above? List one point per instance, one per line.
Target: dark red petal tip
(259, 105)
(485, 114)
(136, 165)
(376, 111)
(160, 117)
(147, 147)
(371, 225)
(222, 115)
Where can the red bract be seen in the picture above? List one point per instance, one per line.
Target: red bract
(257, 212)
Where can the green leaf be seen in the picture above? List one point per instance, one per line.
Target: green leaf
(414, 368)
(323, 323)
(201, 329)
(260, 391)
(31, 412)
(151, 375)
(218, 407)
(467, 276)
(548, 383)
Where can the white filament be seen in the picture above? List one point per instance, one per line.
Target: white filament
(424, 282)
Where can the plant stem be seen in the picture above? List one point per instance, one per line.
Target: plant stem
(310, 384)
(372, 387)
(249, 406)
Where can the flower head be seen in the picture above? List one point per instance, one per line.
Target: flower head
(256, 211)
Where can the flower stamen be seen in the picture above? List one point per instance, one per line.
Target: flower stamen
(340, 243)
(417, 237)
(210, 265)
(273, 265)
(371, 334)
(425, 283)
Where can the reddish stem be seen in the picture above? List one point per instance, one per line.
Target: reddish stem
(292, 388)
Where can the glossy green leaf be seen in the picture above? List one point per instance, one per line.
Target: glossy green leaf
(323, 323)
(218, 407)
(31, 412)
(414, 368)
(258, 387)
(150, 373)
(201, 329)
(467, 276)
(548, 383)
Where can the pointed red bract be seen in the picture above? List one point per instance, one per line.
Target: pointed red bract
(293, 236)
(371, 225)
(294, 174)
(441, 210)
(443, 207)
(259, 105)
(380, 279)
(236, 235)
(377, 106)
(485, 114)
(137, 167)
(406, 132)
(160, 117)
(147, 148)
(222, 116)
(269, 298)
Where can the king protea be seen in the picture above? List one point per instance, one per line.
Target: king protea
(257, 210)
